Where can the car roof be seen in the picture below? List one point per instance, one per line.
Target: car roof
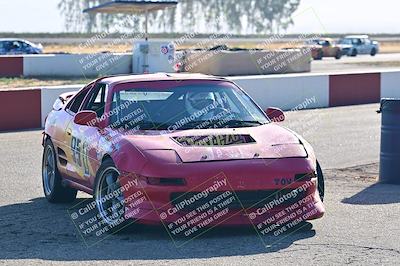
(11, 39)
(356, 36)
(114, 80)
(323, 39)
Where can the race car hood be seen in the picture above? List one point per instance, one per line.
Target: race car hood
(262, 142)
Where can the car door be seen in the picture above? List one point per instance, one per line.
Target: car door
(367, 46)
(363, 47)
(326, 46)
(67, 141)
(86, 157)
(356, 44)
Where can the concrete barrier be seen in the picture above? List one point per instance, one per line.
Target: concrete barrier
(354, 89)
(287, 91)
(222, 63)
(27, 108)
(50, 94)
(66, 65)
(11, 66)
(247, 62)
(20, 109)
(87, 65)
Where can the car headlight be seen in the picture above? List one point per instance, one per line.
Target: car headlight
(163, 156)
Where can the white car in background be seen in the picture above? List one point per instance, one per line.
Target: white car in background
(354, 45)
(10, 46)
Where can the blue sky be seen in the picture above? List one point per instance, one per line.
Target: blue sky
(326, 16)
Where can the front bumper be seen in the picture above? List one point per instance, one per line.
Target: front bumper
(346, 51)
(238, 192)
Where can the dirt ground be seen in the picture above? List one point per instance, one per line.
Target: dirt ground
(385, 47)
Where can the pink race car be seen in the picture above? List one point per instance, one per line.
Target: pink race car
(167, 148)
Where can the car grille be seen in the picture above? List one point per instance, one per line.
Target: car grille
(243, 199)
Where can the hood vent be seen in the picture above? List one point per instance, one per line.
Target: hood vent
(214, 140)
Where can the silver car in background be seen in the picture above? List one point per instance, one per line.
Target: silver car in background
(18, 46)
(354, 45)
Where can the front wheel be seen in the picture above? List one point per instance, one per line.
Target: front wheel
(53, 189)
(320, 55)
(109, 197)
(354, 52)
(373, 52)
(320, 182)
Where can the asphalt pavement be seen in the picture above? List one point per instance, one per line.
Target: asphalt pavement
(342, 136)
(360, 63)
(360, 226)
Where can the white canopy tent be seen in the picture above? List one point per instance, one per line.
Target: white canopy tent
(132, 7)
(138, 7)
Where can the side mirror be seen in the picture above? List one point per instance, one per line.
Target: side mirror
(86, 118)
(275, 114)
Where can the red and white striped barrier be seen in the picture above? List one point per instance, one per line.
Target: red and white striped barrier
(65, 65)
(11, 66)
(27, 108)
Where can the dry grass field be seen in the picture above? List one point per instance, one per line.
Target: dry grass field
(20, 82)
(386, 47)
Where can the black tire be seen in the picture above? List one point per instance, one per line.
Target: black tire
(373, 52)
(54, 190)
(338, 55)
(321, 182)
(354, 52)
(109, 170)
(320, 55)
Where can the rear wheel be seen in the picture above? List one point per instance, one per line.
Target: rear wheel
(321, 182)
(109, 197)
(53, 189)
(373, 52)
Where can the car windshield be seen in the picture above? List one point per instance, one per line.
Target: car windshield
(345, 41)
(312, 42)
(195, 105)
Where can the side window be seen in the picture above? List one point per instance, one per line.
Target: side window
(73, 106)
(23, 45)
(97, 99)
(16, 45)
(8, 46)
